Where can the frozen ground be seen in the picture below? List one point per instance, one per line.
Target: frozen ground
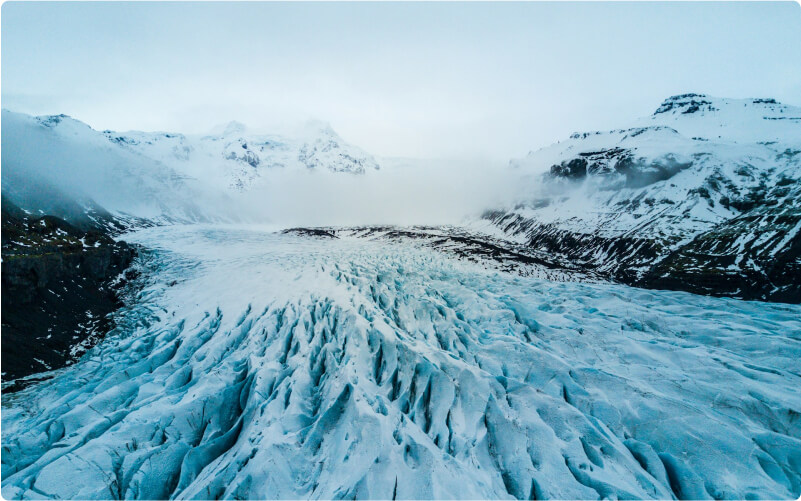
(260, 365)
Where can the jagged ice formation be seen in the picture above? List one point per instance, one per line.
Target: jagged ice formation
(260, 365)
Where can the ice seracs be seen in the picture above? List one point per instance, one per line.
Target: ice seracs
(267, 366)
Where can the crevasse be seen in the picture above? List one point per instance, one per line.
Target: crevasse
(259, 365)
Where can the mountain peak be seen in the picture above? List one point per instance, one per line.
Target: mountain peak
(690, 103)
(229, 128)
(686, 103)
(315, 128)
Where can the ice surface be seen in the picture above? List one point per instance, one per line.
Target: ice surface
(259, 365)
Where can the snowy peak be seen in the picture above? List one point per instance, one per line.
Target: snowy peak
(685, 104)
(231, 155)
(686, 125)
(240, 159)
(233, 127)
(324, 148)
(55, 120)
(704, 117)
(699, 171)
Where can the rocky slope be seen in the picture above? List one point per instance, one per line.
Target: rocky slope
(702, 196)
(59, 283)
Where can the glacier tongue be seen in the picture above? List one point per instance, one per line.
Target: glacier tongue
(259, 365)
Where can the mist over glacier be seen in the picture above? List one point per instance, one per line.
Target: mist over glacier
(419, 192)
(132, 174)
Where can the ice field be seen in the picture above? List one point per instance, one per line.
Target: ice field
(256, 365)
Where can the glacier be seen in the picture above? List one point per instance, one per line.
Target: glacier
(252, 364)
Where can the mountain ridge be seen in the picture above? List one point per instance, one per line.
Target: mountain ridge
(667, 203)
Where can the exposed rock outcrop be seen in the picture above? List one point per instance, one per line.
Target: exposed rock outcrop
(59, 283)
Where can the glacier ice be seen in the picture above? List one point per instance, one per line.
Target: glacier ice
(261, 365)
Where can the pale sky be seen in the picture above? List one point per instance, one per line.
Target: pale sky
(450, 79)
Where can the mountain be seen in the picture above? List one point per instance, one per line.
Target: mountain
(59, 166)
(414, 362)
(234, 157)
(703, 196)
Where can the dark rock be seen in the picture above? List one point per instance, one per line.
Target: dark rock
(570, 169)
(59, 283)
(688, 103)
(310, 232)
(755, 256)
(742, 257)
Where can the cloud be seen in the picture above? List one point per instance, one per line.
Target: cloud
(418, 193)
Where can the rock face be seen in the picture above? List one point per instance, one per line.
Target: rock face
(702, 196)
(58, 284)
(756, 255)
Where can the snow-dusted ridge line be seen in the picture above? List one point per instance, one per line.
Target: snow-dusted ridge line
(62, 167)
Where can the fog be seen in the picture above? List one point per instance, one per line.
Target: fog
(415, 193)
(60, 165)
(476, 83)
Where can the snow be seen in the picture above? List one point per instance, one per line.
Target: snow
(700, 169)
(745, 144)
(262, 365)
(43, 156)
(233, 156)
(162, 177)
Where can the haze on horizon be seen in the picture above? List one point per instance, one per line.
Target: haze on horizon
(398, 79)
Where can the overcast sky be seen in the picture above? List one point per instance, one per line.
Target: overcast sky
(398, 79)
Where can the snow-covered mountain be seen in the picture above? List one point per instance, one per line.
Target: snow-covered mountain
(239, 159)
(703, 195)
(60, 166)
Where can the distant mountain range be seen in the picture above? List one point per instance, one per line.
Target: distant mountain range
(238, 158)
